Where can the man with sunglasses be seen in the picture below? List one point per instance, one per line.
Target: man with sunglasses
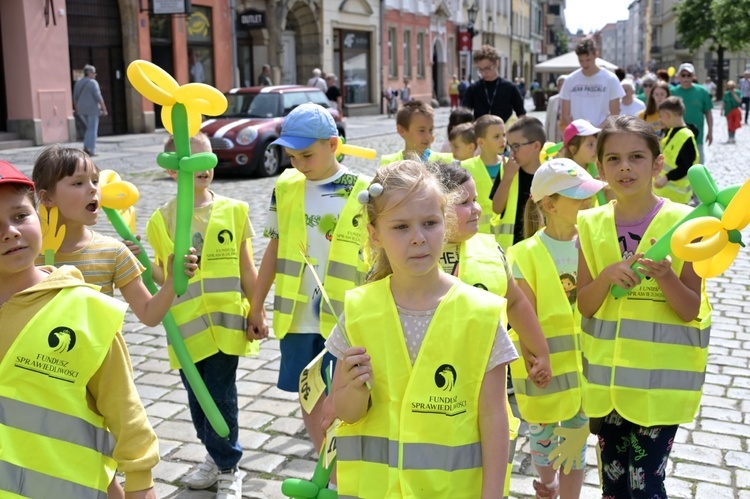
(491, 94)
(698, 105)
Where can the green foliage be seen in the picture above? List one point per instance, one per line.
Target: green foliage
(726, 22)
(731, 23)
(561, 45)
(695, 23)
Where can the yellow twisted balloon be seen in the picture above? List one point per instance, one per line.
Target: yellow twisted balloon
(158, 86)
(720, 239)
(52, 235)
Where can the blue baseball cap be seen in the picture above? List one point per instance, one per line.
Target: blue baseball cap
(306, 124)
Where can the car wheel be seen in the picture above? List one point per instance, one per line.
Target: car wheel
(270, 164)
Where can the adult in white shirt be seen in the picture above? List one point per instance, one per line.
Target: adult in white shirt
(590, 93)
(552, 120)
(317, 80)
(629, 105)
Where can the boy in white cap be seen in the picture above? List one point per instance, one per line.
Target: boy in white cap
(698, 105)
(311, 205)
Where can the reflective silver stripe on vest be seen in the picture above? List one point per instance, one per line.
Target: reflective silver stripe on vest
(213, 285)
(502, 229)
(558, 384)
(631, 329)
(671, 334)
(283, 305)
(558, 344)
(229, 321)
(367, 449)
(30, 483)
(596, 374)
(288, 267)
(442, 457)
(599, 328)
(342, 271)
(666, 379)
(338, 307)
(381, 450)
(36, 420)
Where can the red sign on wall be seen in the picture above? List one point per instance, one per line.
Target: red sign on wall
(464, 41)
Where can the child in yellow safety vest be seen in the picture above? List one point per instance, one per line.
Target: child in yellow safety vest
(415, 123)
(478, 260)
(71, 412)
(212, 314)
(422, 359)
(680, 151)
(67, 180)
(312, 207)
(546, 257)
(644, 355)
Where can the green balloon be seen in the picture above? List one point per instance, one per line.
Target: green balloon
(173, 332)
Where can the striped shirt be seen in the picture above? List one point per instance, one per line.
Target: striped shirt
(105, 262)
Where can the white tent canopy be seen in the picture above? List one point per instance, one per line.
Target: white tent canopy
(568, 63)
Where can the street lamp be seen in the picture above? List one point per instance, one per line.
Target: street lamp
(472, 12)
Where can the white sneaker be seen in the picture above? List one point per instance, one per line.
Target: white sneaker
(203, 477)
(229, 485)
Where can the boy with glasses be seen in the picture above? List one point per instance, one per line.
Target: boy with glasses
(491, 94)
(698, 105)
(512, 187)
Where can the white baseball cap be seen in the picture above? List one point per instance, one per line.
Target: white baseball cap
(686, 66)
(563, 176)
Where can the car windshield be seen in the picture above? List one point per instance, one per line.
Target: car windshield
(252, 106)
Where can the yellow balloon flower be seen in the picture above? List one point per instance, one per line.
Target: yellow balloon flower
(158, 86)
(719, 240)
(117, 194)
(52, 235)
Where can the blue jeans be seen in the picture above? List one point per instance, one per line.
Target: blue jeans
(218, 372)
(92, 130)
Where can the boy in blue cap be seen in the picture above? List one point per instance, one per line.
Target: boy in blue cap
(311, 204)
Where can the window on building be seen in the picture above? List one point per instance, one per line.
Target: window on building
(353, 51)
(200, 45)
(420, 55)
(452, 56)
(407, 54)
(553, 9)
(392, 54)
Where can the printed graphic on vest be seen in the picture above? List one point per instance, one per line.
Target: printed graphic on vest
(53, 362)
(445, 377)
(448, 405)
(62, 339)
(225, 248)
(225, 236)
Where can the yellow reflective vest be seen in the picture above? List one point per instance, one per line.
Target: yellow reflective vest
(678, 191)
(212, 314)
(502, 227)
(561, 400)
(480, 265)
(638, 356)
(346, 266)
(420, 437)
(51, 443)
(434, 157)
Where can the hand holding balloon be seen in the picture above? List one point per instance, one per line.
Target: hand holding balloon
(712, 204)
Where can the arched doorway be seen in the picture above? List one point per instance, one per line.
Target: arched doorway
(515, 70)
(438, 72)
(301, 34)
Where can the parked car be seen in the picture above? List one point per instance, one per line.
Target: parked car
(241, 137)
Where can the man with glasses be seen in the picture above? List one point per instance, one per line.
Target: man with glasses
(590, 93)
(647, 84)
(491, 94)
(698, 105)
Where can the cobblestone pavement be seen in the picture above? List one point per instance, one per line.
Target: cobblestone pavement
(711, 456)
